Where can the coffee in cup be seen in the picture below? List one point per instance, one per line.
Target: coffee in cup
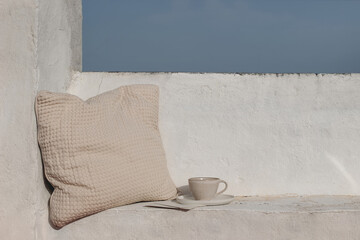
(205, 188)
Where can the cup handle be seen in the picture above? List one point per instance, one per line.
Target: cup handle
(222, 181)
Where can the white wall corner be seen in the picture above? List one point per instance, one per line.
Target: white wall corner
(59, 43)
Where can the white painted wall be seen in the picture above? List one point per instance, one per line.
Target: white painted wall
(40, 46)
(18, 80)
(264, 134)
(59, 42)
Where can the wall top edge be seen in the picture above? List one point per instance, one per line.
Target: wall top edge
(225, 73)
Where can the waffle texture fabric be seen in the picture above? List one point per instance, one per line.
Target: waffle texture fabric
(101, 153)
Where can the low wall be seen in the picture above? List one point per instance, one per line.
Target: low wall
(264, 133)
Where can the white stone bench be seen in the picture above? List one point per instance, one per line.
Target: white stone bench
(191, 105)
(281, 217)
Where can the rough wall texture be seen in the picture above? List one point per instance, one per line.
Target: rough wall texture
(18, 81)
(264, 134)
(37, 42)
(59, 42)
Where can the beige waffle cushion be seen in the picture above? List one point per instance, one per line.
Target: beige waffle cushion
(103, 152)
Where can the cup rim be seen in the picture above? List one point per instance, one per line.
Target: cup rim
(203, 179)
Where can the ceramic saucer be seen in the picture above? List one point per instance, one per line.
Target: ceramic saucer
(218, 200)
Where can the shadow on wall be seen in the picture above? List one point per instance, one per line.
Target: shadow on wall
(47, 184)
(49, 188)
(184, 190)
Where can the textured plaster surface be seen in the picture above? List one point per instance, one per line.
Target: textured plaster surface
(316, 217)
(265, 134)
(18, 150)
(40, 45)
(59, 42)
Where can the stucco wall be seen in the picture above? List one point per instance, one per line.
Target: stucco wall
(264, 134)
(40, 45)
(18, 152)
(59, 42)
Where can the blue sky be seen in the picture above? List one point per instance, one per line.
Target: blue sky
(278, 36)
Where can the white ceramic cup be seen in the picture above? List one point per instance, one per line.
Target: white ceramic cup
(205, 188)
